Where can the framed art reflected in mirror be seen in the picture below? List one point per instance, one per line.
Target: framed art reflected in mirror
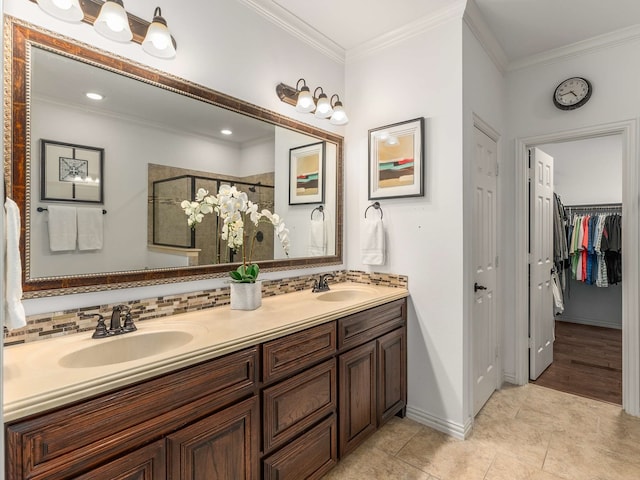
(71, 173)
(306, 174)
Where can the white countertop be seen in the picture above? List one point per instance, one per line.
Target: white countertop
(35, 380)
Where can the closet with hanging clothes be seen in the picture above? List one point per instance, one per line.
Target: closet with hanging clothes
(587, 274)
(593, 237)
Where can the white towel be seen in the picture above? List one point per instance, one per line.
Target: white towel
(14, 316)
(62, 228)
(90, 228)
(372, 241)
(317, 238)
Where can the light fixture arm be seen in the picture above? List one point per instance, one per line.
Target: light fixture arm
(321, 92)
(337, 102)
(304, 84)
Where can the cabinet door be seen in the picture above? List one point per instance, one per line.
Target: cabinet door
(223, 446)
(357, 406)
(392, 374)
(146, 463)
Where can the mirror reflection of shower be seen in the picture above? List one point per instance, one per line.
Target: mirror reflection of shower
(169, 226)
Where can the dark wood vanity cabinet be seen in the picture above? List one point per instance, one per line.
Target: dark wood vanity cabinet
(286, 409)
(372, 371)
(81, 438)
(299, 410)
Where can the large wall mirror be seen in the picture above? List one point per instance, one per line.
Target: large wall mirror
(150, 143)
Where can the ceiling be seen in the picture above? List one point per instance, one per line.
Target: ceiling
(522, 27)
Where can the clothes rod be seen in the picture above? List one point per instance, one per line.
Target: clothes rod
(44, 209)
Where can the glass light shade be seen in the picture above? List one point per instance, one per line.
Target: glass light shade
(305, 102)
(158, 41)
(339, 116)
(67, 10)
(113, 22)
(323, 109)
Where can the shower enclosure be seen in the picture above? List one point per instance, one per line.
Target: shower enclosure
(170, 227)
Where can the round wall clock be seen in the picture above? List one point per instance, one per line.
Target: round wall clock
(574, 92)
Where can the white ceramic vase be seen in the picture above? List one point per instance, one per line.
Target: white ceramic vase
(246, 296)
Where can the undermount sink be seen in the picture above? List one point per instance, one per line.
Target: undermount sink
(125, 348)
(345, 295)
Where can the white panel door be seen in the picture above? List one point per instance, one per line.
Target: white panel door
(541, 320)
(484, 336)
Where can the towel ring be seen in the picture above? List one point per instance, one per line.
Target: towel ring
(376, 206)
(320, 209)
(44, 209)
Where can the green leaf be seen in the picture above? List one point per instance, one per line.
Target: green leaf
(243, 274)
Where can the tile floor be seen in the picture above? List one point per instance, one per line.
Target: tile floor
(529, 432)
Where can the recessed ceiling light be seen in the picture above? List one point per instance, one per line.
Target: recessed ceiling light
(94, 96)
(226, 131)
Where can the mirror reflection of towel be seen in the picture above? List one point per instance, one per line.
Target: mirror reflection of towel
(90, 228)
(317, 238)
(372, 241)
(63, 229)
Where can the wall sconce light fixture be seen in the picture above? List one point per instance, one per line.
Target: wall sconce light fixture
(113, 23)
(318, 103)
(67, 10)
(158, 41)
(110, 19)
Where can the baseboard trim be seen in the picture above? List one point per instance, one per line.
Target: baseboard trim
(509, 378)
(589, 321)
(456, 430)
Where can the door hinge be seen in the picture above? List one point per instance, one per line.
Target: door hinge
(497, 169)
(530, 342)
(497, 352)
(497, 261)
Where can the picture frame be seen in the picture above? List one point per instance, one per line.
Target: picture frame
(71, 173)
(396, 160)
(306, 174)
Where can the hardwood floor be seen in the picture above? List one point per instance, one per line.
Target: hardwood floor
(587, 361)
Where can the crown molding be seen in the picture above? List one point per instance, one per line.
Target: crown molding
(478, 26)
(584, 47)
(399, 35)
(292, 24)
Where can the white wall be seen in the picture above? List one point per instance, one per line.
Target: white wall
(421, 77)
(531, 113)
(223, 45)
(587, 171)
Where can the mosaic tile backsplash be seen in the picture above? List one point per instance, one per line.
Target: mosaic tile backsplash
(54, 324)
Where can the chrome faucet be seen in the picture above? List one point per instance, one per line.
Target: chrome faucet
(321, 284)
(115, 325)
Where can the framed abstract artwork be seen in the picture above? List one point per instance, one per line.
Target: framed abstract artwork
(396, 160)
(306, 174)
(71, 173)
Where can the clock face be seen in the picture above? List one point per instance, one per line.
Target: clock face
(572, 93)
(73, 169)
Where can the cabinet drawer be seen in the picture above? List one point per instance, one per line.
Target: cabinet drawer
(295, 352)
(307, 458)
(361, 327)
(293, 405)
(73, 439)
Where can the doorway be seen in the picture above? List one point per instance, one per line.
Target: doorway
(630, 264)
(587, 346)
